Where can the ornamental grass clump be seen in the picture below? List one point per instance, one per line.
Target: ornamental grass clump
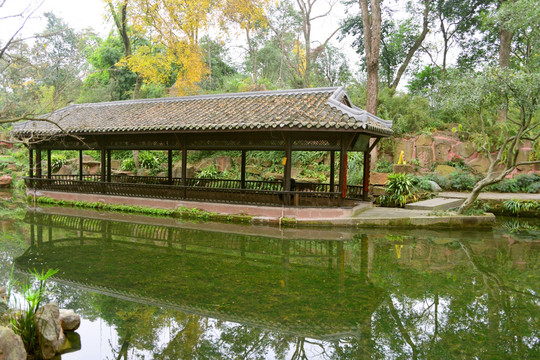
(22, 318)
(400, 190)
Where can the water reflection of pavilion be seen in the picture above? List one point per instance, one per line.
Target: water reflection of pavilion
(284, 282)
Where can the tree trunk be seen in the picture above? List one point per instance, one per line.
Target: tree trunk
(416, 45)
(138, 84)
(371, 23)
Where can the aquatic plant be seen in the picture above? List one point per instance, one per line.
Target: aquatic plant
(22, 318)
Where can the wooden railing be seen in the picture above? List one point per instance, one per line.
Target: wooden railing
(207, 190)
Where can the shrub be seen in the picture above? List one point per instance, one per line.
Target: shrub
(516, 206)
(399, 190)
(128, 164)
(211, 172)
(57, 161)
(462, 181)
(443, 182)
(384, 166)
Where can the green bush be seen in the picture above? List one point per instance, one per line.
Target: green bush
(443, 182)
(517, 207)
(128, 165)
(399, 190)
(211, 172)
(462, 181)
(384, 166)
(58, 160)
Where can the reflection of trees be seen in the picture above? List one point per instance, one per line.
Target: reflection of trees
(429, 312)
(417, 300)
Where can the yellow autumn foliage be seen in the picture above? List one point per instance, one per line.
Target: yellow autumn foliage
(173, 27)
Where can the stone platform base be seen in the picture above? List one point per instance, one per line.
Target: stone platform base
(259, 213)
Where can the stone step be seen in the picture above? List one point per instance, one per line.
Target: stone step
(435, 204)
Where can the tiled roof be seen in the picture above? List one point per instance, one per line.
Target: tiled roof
(317, 108)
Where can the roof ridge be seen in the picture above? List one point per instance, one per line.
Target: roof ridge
(213, 96)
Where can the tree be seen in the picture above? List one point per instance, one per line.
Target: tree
(486, 94)
(300, 55)
(173, 57)
(400, 41)
(371, 25)
(250, 17)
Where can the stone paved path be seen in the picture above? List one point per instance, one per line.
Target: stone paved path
(491, 196)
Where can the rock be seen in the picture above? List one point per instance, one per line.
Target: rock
(402, 145)
(5, 181)
(295, 172)
(424, 154)
(252, 169)
(479, 164)
(434, 186)
(445, 170)
(203, 164)
(266, 163)
(72, 343)
(524, 155)
(272, 176)
(11, 167)
(424, 140)
(65, 170)
(11, 345)
(50, 334)
(377, 191)
(115, 164)
(6, 195)
(86, 158)
(464, 150)
(69, 320)
(162, 174)
(406, 169)
(442, 150)
(223, 163)
(92, 167)
(143, 172)
(3, 292)
(378, 178)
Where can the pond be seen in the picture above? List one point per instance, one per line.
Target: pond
(159, 288)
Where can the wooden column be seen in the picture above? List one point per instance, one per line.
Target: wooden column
(81, 165)
(287, 169)
(243, 170)
(38, 163)
(365, 184)
(184, 167)
(109, 160)
(103, 165)
(169, 166)
(332, 170)
(342, 169)
(49, 164)
(30, 163)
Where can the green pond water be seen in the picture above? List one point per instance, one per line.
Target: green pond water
(156, 288)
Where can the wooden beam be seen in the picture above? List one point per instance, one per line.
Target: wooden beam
(109, 161)
(332, 169)
(365, 183)
(103, 165)
(31, 163)
(49, 164)
(169, 166)
(38, 163)
(342, 169)
(243, 170)
(81, 170)
(375, 142)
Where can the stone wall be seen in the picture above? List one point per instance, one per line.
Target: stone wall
(443, 146)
